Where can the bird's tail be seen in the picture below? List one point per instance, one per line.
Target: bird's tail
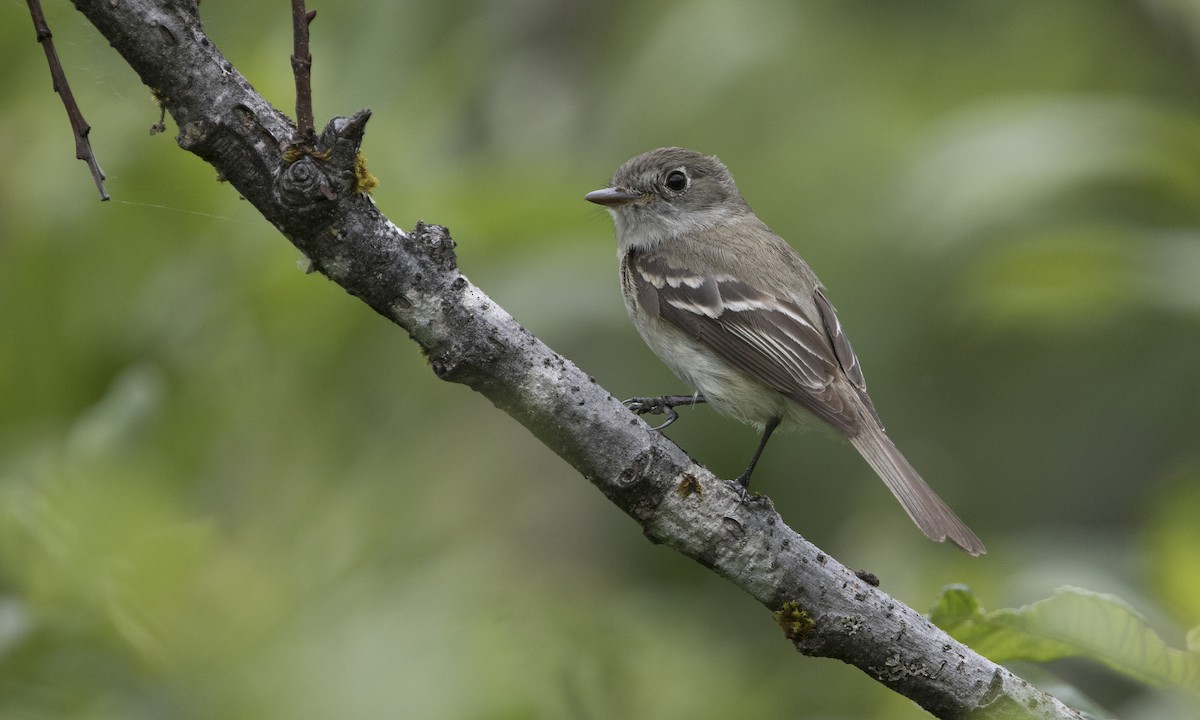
(921, 503)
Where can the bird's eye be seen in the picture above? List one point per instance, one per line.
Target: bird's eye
(676, 180)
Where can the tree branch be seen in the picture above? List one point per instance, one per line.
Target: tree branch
(306, 132)
(413, 279)
(79, 126)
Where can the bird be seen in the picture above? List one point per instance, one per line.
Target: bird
(733, 310)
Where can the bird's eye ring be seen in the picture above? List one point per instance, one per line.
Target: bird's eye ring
(676, 181)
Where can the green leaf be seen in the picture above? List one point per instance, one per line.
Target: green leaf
(1071, 623)
(957, 606)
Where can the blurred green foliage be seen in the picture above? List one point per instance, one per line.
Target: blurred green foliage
(1073, 622)
(229, 490)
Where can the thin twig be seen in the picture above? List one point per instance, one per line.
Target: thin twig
(306, 133)
(79, 126)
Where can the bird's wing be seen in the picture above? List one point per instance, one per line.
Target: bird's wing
(841, 348)
(770, 338)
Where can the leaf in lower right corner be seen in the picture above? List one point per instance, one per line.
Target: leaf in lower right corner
(1071, 623)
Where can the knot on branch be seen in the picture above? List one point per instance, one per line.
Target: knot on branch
(313, 178)
(437, 244)
(637, 490)
(304, 180)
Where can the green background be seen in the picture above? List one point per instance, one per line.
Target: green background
(228, 489)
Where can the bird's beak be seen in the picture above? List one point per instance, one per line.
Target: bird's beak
(612, 196)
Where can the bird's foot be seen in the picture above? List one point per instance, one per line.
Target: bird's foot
(741, 486)
(662, 405)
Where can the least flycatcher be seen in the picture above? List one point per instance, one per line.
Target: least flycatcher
(731, 308)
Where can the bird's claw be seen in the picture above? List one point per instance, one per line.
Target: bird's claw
(653, 406)
(662, 405)
(741, 487)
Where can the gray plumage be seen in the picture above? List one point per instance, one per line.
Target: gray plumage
(733, 310)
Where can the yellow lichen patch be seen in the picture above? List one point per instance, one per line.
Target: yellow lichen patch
(365, 182)
(688, 486)
(796, 622)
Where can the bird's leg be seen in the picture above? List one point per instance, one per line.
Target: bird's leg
(741, 484)
(663, 405)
